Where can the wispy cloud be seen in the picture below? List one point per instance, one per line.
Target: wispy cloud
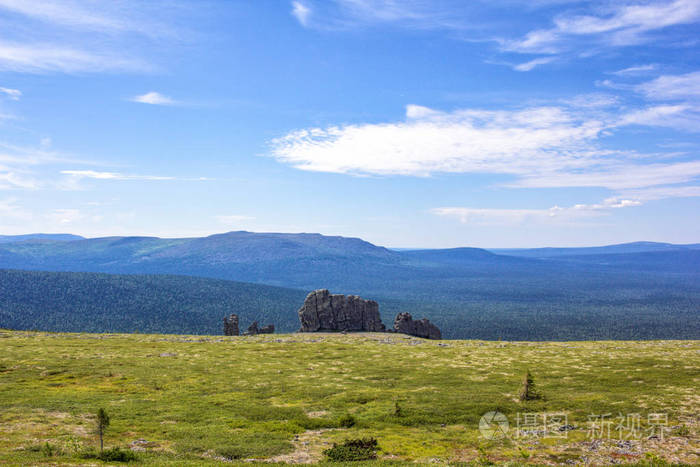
(555, 214)
(301, 12)
(677, 116)
(452, 15)
(672, 87)
(635, 70)
(70, 36)
(621, 24)
(527, 66)
(154, 98)
(111, 175)
(44, 58)
(13, 94)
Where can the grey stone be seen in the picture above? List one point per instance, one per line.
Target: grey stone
(231, 325)
(253, 329)
(323, 311)
(405, 324)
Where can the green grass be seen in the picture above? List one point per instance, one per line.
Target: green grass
(198, 400)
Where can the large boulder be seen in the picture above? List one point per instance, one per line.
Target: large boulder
(323, 311)
(405, 324)
(231, 325)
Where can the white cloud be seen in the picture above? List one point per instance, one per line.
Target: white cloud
(153, 98)
(301, 12)
(680, 116)
(663, 192)
(593, 100)
(547, 146)
(527, 66)
(74, 36)
(555, 214)
(431, 141)
(44, 58)
(13, 94)
(617, 176)
(671, 87)
(62, 12)
(635, 70)
(111, 175)
(621, 25)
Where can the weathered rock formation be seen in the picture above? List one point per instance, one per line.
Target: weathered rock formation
(405, 324)
(325, 312)
(253, 329)
(231, 325)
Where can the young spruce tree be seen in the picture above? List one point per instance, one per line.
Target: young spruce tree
(102, 424)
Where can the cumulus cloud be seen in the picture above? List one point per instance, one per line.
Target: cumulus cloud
(153, 98)
(431, 141)
(539, 147)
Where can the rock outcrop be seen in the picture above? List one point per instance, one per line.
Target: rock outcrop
(323, 311)
(231, 325)
(405, 324)
(253, 329)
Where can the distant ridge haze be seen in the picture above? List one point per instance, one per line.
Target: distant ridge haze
(226, 237)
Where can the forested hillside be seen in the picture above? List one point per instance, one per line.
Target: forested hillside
(60, 301)
(604, 306)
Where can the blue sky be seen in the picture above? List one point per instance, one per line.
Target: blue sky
(415, 123)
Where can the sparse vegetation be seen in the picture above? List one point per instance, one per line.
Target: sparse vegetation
(353, 450)
(282, 396)
(102, 424)
(117, 455)
(528, 391)
(346, 421)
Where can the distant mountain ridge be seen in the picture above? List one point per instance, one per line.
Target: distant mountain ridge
(40, 236)
(467, 292)
(621, 248)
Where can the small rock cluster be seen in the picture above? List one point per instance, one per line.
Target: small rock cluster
(323, 311)
(231, 327)
(253, 329)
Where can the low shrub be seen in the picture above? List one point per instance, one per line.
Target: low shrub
(231, 452)
(117, 455)
(353, 450)
(346, 421)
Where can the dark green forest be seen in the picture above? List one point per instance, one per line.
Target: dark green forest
(578, 307)
(89, 302)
